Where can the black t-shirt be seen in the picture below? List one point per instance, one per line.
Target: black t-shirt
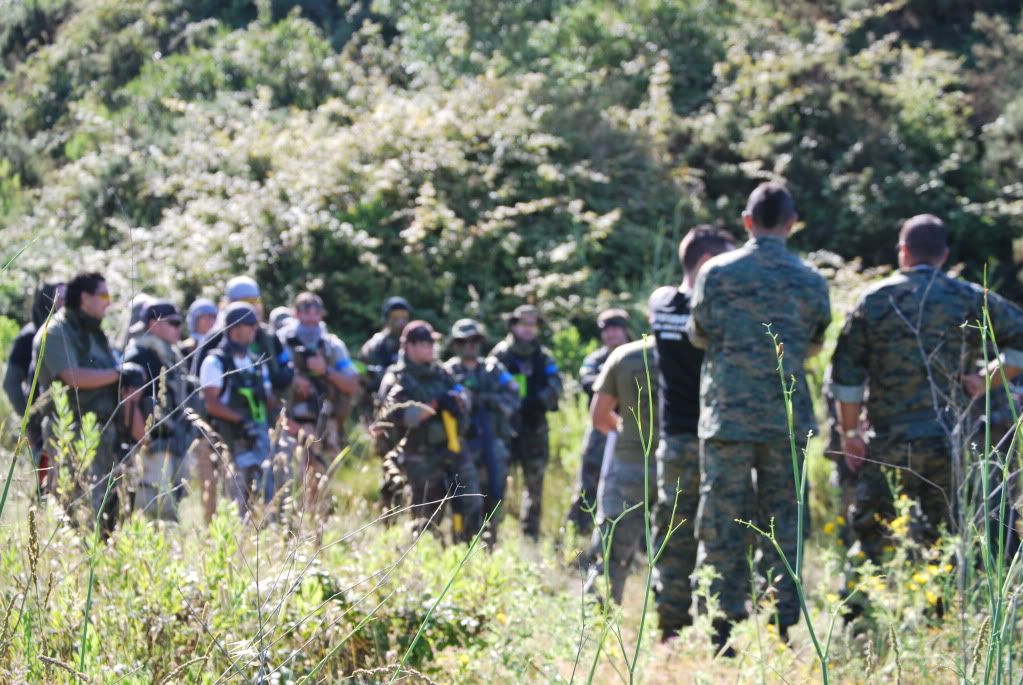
(21, 350)
(678, 362)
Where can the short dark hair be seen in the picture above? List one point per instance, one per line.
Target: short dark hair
(85, 282)
(702, 241)
(771, 206)
(925, 237)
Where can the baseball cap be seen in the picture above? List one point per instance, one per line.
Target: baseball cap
(240, 314)
(418, 331)
(241, 288)
(155, 310)
(613, 317)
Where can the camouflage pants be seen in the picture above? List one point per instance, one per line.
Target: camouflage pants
(923, 470)
(467, 502)
(619, 537)
(493, 485)
(589, 478)
(727, 494)
(678, 491)
(426, 485)
(161, 485)
(531, 449)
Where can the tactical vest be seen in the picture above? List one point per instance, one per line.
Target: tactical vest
(308, 409)
(531, 375)
(245, 394)
(430, 434)
(169, 412)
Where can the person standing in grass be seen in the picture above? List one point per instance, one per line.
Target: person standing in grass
(623, 407)
(73, 349)
(614, 332)
(494, 397)
(912, 340)
(743, 425)
(536, 374)
(165, 395)
(678, 450)
(236, 387)
(325, 380)
(421, 411)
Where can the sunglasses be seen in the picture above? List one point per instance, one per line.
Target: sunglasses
(103, 296)
(310, 307)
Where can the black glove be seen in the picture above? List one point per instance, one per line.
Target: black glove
(448, 402)
(252, 430)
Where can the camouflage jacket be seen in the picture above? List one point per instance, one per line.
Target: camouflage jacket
(404, 386)
(905, 333)
(736, 294)
(590, 369)
(377, 354)
(493, 392)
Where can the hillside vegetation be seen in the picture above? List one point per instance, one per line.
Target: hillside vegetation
(395, 146)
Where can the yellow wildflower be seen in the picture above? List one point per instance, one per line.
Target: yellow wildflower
(840, 519)
(932, 598)
(832, 598)
(920, 578)
(464, 660)
(501, 617)
(829, 528)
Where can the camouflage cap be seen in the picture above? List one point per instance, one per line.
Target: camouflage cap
(465, 329)
(525, 311)
(613, 317)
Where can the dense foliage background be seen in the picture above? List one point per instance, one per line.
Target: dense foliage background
(472, 154)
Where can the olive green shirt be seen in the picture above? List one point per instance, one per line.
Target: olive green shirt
(74, 341)
(630, 376)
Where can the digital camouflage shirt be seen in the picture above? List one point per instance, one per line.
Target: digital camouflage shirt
(736, 295)
(908, 331)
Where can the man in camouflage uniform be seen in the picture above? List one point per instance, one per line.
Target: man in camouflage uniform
(420, 409)
(678, 451)
(743, 424)
(614, 332)
(382, 350)
(906, 341)
(536, 374)
(319, 398)
(165, 395)
(622, 410)
(495, 399)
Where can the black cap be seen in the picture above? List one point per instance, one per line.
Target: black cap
(392, 303)
(613, 317)
(240, 314)
(418, 331)
(155, 310)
